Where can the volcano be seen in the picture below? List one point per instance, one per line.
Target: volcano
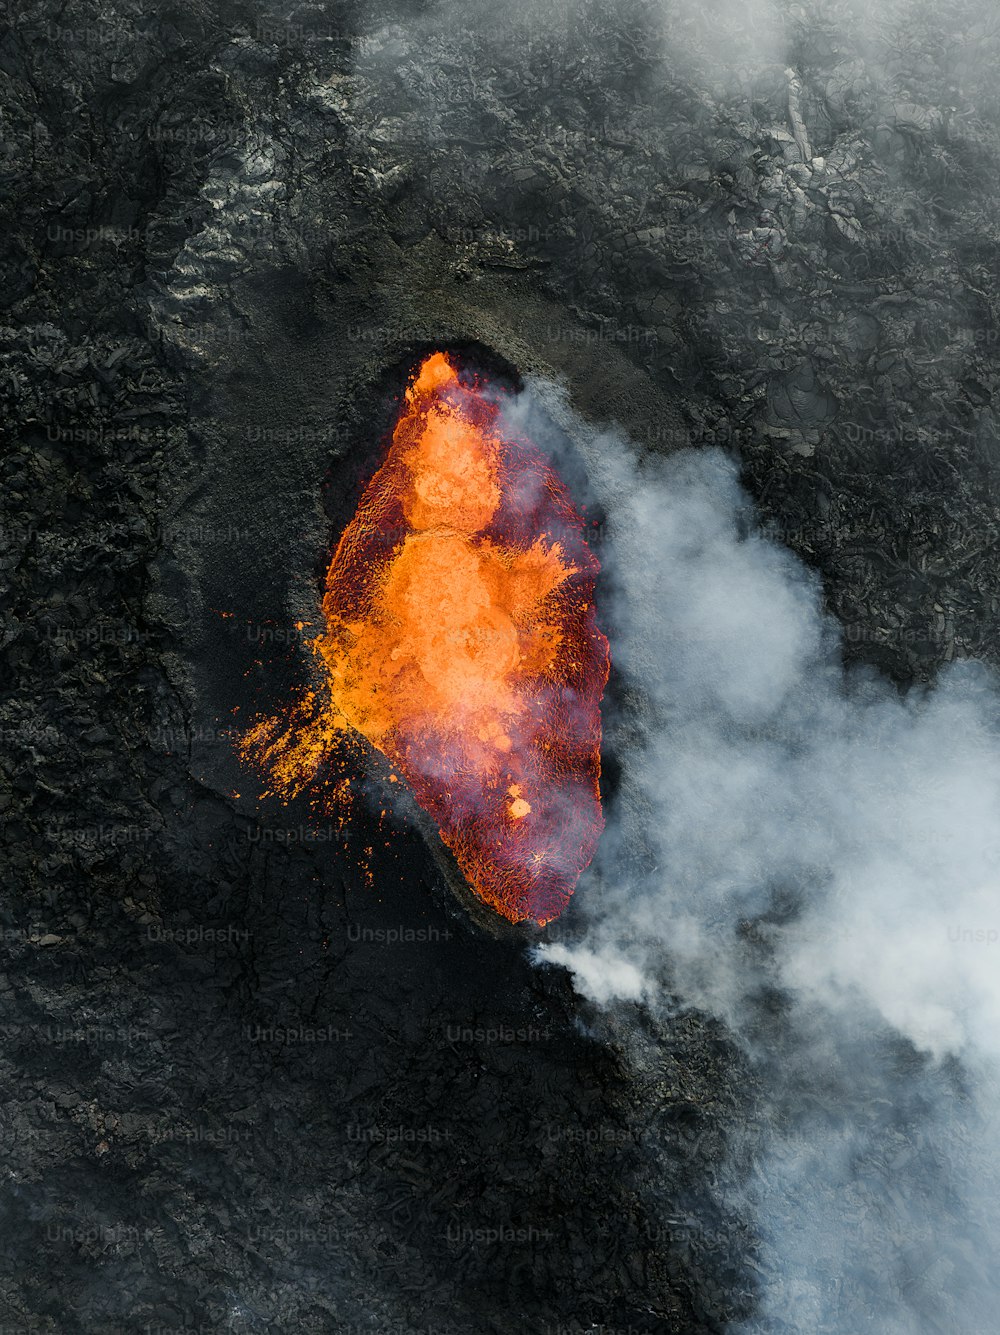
(461, 642)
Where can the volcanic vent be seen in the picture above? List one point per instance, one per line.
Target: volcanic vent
(461, 641)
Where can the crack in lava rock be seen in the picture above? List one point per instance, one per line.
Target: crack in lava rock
(461, 641)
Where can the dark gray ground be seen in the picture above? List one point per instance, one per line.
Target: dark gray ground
(228, 232)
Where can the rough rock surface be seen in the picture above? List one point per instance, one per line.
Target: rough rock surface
(229, 1098)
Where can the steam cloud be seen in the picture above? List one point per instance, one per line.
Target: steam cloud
(796, 848)
(814, 859)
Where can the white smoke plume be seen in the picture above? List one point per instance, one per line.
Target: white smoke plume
(808, 855)
(796, 849)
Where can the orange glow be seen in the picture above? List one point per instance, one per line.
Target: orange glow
(461, 641)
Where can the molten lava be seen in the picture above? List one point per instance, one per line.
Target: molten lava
(461, 641)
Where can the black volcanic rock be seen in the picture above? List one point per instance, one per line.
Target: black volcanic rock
(255, 1078)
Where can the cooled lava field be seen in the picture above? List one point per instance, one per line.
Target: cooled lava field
(391, 937)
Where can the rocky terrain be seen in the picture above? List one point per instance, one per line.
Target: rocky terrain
(258, 1075)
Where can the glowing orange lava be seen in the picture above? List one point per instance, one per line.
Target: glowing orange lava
(461, 641)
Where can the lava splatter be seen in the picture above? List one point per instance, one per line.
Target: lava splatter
(461, 641)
